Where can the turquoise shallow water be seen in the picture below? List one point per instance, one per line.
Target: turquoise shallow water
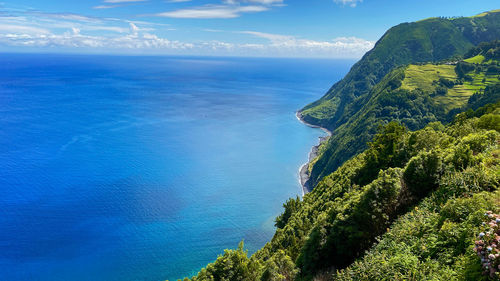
(146, 168)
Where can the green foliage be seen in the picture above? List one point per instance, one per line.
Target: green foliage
(428, 243)
(487, 246)
(434, 241)
(291, 206)
(422, 173)
(352, 226)
(279, 267)
(421, 99)
(467, 182)
(446, 82)
(491, 94)
(489, 121)
(433, 39)
(410, 205)
(489, 50)
(383, 152)
(233, 265)
(413, 218)
(429, 40)
(431, 162)
(462, 68)
(374, 92)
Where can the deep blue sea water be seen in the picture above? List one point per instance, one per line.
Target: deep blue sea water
(146, 168)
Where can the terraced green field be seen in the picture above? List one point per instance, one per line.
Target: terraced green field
(477, 59)
(425, 77)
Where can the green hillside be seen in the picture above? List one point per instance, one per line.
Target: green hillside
(425, 192)
(427, 77)
(430, 40)
(414, 95)
(398, 195)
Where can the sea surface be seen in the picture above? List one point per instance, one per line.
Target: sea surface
(146, 168)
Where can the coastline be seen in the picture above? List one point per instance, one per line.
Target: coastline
(303, 171)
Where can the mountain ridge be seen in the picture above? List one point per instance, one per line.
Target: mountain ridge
(410, 203)
(403, 44)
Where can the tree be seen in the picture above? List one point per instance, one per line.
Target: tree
(279, 267)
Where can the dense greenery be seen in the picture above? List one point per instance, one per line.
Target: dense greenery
(432, 242)
(488, 50)
(430, 40)
(411, 105)
(425, 192)
(398, 195)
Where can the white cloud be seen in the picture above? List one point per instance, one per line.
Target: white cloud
(261, 2)
(122, 1)
(72, 17)
(43, 22)
(266, 2)
(132, 41)
(351, 3)
(16, 29)
(137, 40)
(105, 28)
(212, 30)
(100, 7)
(78, 33)
(99, 26)
(228, 9)
(133, 29)
(281, 45)
(115, 4)
(212, 12)
(271, 37)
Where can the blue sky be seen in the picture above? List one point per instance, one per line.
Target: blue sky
(276, 28)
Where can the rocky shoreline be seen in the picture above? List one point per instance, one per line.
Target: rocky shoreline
(303, 171)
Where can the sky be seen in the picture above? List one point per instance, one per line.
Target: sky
(266, 28)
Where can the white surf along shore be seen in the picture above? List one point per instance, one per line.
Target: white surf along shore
(303, 170)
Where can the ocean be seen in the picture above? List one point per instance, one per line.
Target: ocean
(146, 168)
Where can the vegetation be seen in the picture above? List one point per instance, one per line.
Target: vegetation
(398, 195)
(423, 193)
(430, 40)
(488, 246)
(413, 95)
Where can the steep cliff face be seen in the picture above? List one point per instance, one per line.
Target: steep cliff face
(410, 200)
(430, 40)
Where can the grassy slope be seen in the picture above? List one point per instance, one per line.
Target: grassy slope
(433, 39)
(386, 103)
(452, 168)
(476, 59)
(424, 76)
(431, 242)
(450, 173)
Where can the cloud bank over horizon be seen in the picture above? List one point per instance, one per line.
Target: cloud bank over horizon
(351, 3)
(34, 30)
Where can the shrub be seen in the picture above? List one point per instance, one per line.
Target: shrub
(467, 182)
(440, 91)
(489, 122)
(279, 267)
(446, 82)
(291, 206)
(233, 265)
(487, 246)
(422, 173)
